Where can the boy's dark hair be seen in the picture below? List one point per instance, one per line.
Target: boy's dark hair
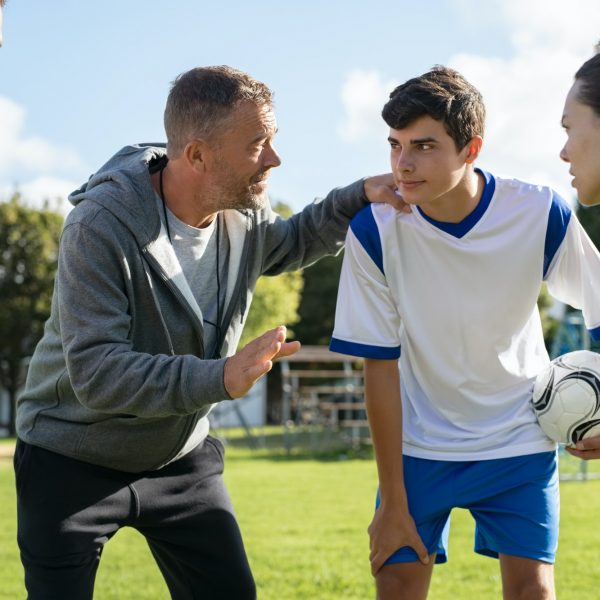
(589, 76)
(444, 95)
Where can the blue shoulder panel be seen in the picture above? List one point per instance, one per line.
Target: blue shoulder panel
(558, 221)
(365, 229)
(595, 333)
(364, 350)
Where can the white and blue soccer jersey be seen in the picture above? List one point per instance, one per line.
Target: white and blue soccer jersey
(457, 303)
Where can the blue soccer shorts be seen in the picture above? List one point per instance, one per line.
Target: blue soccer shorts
(514, 501)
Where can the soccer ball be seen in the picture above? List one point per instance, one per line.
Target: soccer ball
(566, 397)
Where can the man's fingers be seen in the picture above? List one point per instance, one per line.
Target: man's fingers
(258, 370)
(287, 349)
(394, 199)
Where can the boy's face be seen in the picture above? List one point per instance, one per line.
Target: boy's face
(425, 162)
(582, 149)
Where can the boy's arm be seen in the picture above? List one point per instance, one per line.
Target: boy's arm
(392, 526)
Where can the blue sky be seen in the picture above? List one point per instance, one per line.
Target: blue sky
(78, 79)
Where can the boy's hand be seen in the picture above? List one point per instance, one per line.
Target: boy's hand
(392, 529)
(586, 449)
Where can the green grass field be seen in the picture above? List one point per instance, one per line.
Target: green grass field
(304, 522)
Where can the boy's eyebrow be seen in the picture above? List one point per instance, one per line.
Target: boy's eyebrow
(424, 140)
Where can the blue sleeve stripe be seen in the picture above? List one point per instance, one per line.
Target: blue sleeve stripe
(558, 221)
(364, 350)
(595, 333)
(365, 229)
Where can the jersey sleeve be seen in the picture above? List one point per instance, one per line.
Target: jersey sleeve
(367, 321)
(574, 275)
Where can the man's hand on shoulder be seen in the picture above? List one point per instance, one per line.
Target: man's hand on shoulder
(586, 449)
(255, 359)
(381, 188)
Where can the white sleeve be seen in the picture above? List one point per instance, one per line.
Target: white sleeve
(367, 322)
(574, 278)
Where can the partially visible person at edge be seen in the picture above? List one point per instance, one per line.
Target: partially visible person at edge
(581, 121)
(157, 265)
(2, 3)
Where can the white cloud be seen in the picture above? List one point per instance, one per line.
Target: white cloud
(524, 93)
(29, 153)
(33, 164)
(363, 95)
(41, 190)
(571, 26)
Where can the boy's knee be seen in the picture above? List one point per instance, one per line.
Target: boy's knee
(531, 590)
(403, 581)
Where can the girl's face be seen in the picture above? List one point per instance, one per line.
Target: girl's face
(582, 149)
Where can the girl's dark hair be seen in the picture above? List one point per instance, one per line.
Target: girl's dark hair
(589, 76)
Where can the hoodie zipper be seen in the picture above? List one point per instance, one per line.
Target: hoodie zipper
(180, 297)
(192, 419)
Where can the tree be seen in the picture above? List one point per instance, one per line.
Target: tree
(589, 216)
(276, 299)
(28, 258)
(317, 307)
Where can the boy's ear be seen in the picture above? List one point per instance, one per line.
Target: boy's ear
(473, 149)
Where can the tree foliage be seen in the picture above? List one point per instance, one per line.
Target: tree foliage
(28, 257)
(589, 216)
(276, 299)
(317, 306)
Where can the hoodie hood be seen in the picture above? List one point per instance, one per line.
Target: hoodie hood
(123, 187)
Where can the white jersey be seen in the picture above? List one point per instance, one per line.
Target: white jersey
(457, 303)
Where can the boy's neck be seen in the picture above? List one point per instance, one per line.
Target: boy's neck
(458, 203)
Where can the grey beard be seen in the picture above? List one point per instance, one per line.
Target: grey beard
(248, 202)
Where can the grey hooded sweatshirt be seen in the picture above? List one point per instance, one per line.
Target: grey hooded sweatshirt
(119, 378)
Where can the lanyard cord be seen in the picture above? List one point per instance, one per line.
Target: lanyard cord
(216, 325)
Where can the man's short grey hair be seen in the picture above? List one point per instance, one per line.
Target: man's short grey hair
(201, 101)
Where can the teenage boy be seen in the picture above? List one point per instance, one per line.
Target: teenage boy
(450, 290)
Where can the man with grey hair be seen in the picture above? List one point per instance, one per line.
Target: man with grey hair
(157, 265)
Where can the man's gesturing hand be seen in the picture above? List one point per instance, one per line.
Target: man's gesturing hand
(255, 359)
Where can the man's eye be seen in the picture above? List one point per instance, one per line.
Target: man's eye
(425, 146)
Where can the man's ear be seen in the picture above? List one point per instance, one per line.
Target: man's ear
(196, 154)
(473, 149)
